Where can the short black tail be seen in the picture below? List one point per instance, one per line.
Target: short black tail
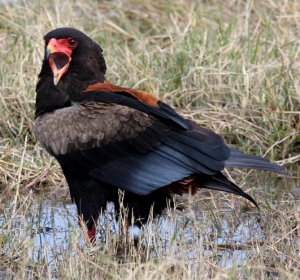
(220, 183)
(241, 160)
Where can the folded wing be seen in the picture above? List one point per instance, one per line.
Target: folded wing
(134, 142)
(128, 149)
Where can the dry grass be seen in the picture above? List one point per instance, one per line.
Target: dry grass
(230, 65)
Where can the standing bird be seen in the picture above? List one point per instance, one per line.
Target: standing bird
(107, 137)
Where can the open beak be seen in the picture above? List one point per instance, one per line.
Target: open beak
(59, 57)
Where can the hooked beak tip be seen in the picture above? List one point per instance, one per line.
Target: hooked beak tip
(55, 81)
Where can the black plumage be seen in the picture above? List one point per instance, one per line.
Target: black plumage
(108, 138)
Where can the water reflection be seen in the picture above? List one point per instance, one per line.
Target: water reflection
(57, 226)
(226, 234)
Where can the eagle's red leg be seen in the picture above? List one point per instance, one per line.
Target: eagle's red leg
(91, 234)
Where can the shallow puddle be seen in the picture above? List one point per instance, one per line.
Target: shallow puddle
(56, 226)
(50, 227)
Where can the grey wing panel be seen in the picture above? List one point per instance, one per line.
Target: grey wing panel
(88, 125)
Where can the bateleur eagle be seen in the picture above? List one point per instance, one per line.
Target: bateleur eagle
(107, 137)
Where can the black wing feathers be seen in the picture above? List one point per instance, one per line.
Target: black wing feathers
(220, 183)
(168, 151)
(155, 158)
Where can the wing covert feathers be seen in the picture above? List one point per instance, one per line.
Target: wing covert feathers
(136, 99)
(88, 125)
